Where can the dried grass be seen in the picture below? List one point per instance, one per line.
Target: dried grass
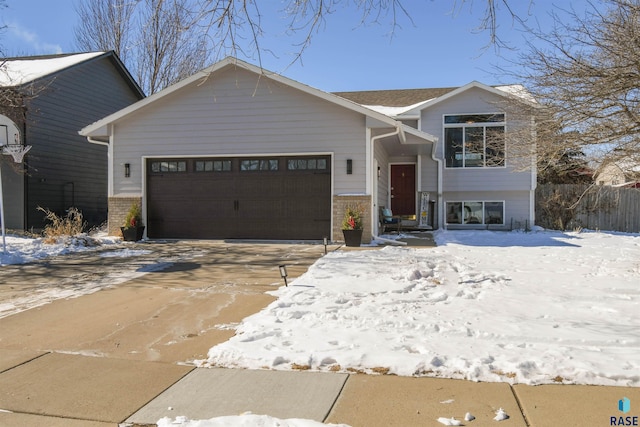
(71, 225)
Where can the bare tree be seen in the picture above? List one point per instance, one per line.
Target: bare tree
(230, 22)
(156, 39)
(162, 41)
(106, 25)
(169, 46)
(585, 73)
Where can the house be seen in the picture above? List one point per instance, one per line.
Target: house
(235, 151)
(49, 98)
(623, 173)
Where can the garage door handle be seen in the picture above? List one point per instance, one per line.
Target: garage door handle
(236, 205)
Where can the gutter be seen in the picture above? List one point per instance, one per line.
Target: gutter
(96, 141)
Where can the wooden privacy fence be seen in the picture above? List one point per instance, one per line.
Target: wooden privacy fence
(569, 206)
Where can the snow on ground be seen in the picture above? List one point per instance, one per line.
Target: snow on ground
(21, 250)
(533, 308)
(244, 420)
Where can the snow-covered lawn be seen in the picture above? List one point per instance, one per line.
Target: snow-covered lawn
(533, 308)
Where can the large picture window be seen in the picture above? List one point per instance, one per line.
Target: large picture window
(480, 212)
(474, 140)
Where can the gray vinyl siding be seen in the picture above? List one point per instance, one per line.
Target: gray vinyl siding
(429, 175)
(238, 113)
(507, 178)
(64, 169)
(382, 157)
(13, 194)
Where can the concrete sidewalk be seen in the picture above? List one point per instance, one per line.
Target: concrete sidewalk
(71, 390)
(117, 356)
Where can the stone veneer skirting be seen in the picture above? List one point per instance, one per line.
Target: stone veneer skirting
(118, 209)
(340, 204)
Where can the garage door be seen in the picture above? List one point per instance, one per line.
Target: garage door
(245, 197)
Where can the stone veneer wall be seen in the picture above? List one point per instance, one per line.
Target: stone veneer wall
(118, 208)
(340, 204)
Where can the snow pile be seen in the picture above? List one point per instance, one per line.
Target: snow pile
(245, 420)
(533, 308)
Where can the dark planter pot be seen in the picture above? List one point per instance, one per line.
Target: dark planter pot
(352, 237)
(132, 234)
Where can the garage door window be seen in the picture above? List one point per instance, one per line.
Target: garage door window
(259, 165)
(173, 166)
(306, 164)
(213, 165)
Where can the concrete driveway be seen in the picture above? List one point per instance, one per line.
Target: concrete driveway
(191, 295)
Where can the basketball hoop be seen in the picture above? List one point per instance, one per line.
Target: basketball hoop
(16, 151)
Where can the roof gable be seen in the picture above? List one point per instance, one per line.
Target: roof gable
(99, 129)
(19, 71)
(409, 102)
(516, 92)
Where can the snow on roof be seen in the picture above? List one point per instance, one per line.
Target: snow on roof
(394, 111)
(16, 72)
(517, 90)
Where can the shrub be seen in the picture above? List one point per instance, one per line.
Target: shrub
(70, 225)
(134, 216)
(352, 218)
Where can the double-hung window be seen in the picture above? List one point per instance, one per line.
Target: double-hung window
(474, 140)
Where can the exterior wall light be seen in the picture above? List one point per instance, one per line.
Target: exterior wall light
(127, 170)
(349, 166)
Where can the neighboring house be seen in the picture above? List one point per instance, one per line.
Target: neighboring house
(55, 96)
(238, 152)
(619, 174)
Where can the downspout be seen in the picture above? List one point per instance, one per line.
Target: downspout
(109, 167)
(374, 175)
(440, 204)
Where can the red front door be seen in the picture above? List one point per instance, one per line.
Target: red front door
(403, 189)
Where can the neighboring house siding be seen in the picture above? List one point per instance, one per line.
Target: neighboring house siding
(65, 170)
(238, 113)
(13, 177)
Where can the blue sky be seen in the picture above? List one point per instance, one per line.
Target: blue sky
(441, 48)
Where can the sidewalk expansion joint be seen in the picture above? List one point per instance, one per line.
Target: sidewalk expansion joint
(336, 399)
(515, 396)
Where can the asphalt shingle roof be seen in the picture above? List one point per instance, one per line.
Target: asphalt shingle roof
(396, 97)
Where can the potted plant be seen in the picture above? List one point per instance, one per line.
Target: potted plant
(352, 225)
(133, 229)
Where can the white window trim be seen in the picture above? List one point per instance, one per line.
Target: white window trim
(473, 125)
(463, 224)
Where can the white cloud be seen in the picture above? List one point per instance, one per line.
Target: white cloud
(28, 41)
